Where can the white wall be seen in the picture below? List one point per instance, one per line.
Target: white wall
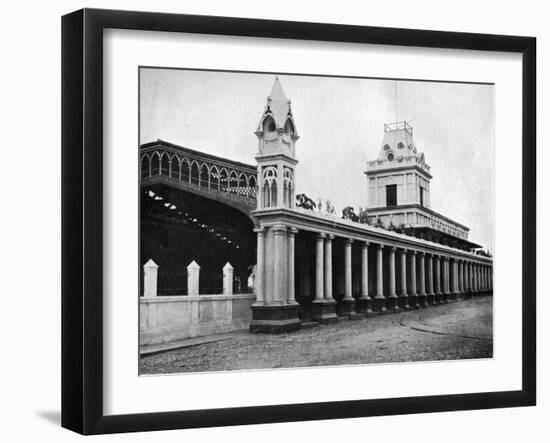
(30, 116)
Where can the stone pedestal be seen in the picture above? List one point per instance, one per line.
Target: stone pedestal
(379, 305)
(363, 306)
(430, 299)
(392, 303)
(275, 319)
(413, 301)
(404, 302)
(324, 312)
(346, 308)
(422, 300)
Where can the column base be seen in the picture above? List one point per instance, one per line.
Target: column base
(392, 303)
(413, 301)
(346, 308)
(379, 304)
(324, 312)
(422, 300)
(438, 299)
(364, 306)
(446, 298)
(430, 299)
(404, 302)
(275, 319)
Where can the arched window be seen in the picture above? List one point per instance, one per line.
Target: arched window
(155, 164)
(165, 165)
(145, 167)
(288, 184)
(185, 171)
(223, 180)
(175, 167)
(233, 182)
(214, 178)
(204, 176)
(269, 187)
(289, 127)
(400, 145)
(252, 187)
(195, 173)
(269, 125)
(386, 147)
(243, 185)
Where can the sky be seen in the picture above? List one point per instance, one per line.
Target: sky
(340, 122)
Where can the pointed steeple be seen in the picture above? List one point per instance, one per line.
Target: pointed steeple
(278, 107)
(277, 93)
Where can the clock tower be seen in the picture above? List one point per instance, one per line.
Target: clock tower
(276, 155)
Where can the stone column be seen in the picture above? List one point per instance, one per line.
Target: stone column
(422, 287)
(413, 296)
(446, 293)
(404, 297)
(379, 300)
(291, 299)
(430, 296)
(150, 279)
(279, 285)
(272, 313)
(346, 306)
(328, 268)
(193, 271)
(347, 272)
(438, 299)
(228, 279)
(364, 304)
(470, 280)
(319, 270)
(259, 280)
(323, 309)
(392, 296)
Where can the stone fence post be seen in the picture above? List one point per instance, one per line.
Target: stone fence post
(150, 278)
(193, 271)
(228, 279)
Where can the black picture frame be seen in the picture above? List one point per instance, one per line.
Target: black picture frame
(82, 215)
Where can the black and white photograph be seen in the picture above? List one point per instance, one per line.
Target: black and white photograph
(295, 221)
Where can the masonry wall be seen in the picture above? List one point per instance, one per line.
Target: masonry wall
(165, 319)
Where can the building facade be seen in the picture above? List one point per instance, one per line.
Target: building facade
(309, 267)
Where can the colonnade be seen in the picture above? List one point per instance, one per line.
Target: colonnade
(426, 277)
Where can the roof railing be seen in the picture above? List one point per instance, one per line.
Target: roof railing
(398, 126)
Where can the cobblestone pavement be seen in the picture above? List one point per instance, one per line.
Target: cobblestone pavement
(457, 330)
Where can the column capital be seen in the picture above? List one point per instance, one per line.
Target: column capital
(260, 230)
(349, 241)
(330, 237)
(321, 236)
(393, 248)
(292, 231)
(380, 246)
(422, 253)
(413, 251)
(279, 229)
(366, 243)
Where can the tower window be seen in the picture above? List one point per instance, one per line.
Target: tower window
(421, 196)
(400, 145)
(391, 195)
(271, 126)
(390, 157)
(386, 147)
